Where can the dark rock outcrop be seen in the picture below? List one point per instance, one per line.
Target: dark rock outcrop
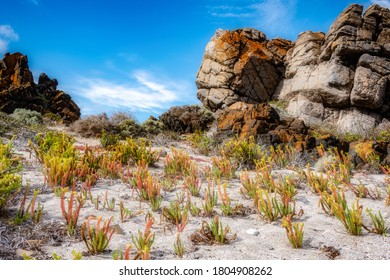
(18, 90)
(246, 120)
(262, 122)
(187, 119)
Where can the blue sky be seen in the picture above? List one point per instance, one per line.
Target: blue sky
(142, 57)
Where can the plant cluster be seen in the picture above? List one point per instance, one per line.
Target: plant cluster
(192, 181)
(244, 151)
(178, 246)
(121, 124)
(122, 255)
(147, 187)
(294, 231)
(213, 233)
(177, 164)
(98, 236)
(144, 241)
(71, 211)
(222, 168)
(210, 200)
(250, 185)
(282, 156)
(10, 181)
(226, 206)
(33, 211)
(108, 139)
(21, 119)
(367, 154)
(176, 215)
(138, 150)
(201, 142)
(274, 206)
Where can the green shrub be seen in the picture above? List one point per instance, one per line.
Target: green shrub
(27, 117)
(152, 126)
(53, 143)
(138, 150)
(383, 135)
(129, 128)
(243, 151)
(10, 182)
(108, 139)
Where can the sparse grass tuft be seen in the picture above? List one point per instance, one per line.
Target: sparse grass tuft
(178, 247)
(177, 164)
(250, 185)
(282, 157)
(96, 237)
(122, 255)
(294, 231)
(201, 142)
(214, 233)
(267, 205)
(351, 218)
(222, 168)
(72, 211)
(144, 241)
(192, 181)
(378, 223)
(175, 214)
(210, 200)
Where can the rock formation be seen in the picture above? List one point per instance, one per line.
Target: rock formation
(264, 123)
(338, 79)
(18, 90)
(241, 65)
(187, 119)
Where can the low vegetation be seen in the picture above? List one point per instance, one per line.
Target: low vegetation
(176, 190)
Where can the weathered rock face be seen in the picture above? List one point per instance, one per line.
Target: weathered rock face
(241, 65)
(339, 78)
(187, 119)
(18, 90)
(246, 120)
(263, 122)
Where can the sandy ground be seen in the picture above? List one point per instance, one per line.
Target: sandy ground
(324, 236)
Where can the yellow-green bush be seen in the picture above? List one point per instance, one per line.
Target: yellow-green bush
(138, 151)
(54, 144)
(367, 153)
(243, 151)
(10, 182)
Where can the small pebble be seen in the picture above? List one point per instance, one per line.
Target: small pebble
(253, 232)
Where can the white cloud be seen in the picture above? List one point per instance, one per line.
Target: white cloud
(145, 93)
(274, 17)
(231, 15)
(7, 35)
(383, 3)
(229, 11)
